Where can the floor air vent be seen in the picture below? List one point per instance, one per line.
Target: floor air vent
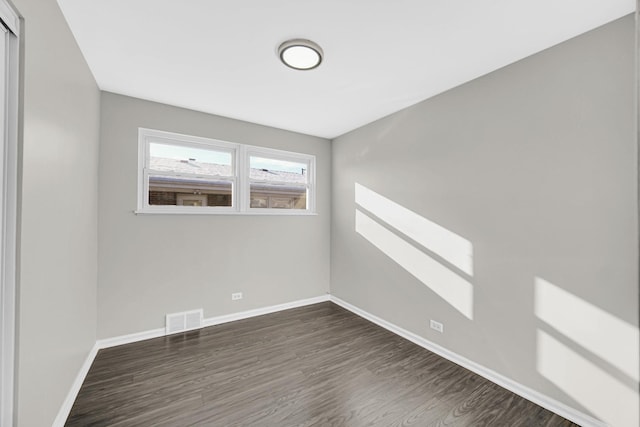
(185, 321)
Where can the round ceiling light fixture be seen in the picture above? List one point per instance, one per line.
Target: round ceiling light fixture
(300, 54)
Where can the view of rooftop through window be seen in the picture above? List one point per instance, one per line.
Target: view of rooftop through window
(180, 152)
(189, 175)
(198, 155)
(277, 183)
(278, 165)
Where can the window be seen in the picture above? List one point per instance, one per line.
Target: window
(185, 174)
(278, 181)
(180, 173)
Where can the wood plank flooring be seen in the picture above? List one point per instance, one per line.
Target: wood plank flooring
(318, 365)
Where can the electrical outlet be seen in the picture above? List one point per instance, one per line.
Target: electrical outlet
(436, 326)
(237, 295)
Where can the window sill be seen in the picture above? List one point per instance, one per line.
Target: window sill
(209, 212)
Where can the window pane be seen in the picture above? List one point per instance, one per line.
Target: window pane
(187, 160)
(272, 196)
(183, 191)
(273, 170)
(178, 170)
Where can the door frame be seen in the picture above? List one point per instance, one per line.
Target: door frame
(9, 205)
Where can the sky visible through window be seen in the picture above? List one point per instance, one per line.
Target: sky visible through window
(185, 153)
(277, 165)
(221, 158)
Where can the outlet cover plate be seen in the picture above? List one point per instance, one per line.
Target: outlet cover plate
(436, 326)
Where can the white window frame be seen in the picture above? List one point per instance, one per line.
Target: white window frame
(288, 156)
(148, 136)
(241, 154)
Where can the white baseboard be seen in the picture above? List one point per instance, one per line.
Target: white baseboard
(130, 338)
(211, 321)
(65, 409)
(507, 383)
(264, 310)
(499, 379)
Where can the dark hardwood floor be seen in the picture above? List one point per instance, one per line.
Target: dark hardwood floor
(318, 365)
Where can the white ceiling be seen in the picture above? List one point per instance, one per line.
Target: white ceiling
(219, 56)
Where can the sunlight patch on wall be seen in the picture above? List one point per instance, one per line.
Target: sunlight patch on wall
(592, 387)
(603, 334)
(455, 249)
(448, 285)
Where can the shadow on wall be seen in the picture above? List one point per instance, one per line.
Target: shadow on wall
(439, 258)
(588, 353)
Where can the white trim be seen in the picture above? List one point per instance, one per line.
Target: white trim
(130, 338)
(523, 391)
(65, 409)
(9, 16)
(198, 211)
(264, 310)
(9, 195)
(507, 383)
(160, 332)
(240, 178)
(149, 136)
(271, 153)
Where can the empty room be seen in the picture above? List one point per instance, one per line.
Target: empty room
(319, 213)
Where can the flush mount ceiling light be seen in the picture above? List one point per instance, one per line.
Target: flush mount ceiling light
(300, 54)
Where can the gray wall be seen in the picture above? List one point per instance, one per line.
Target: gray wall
(58, 256)
(535, 165)
(150, 265)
